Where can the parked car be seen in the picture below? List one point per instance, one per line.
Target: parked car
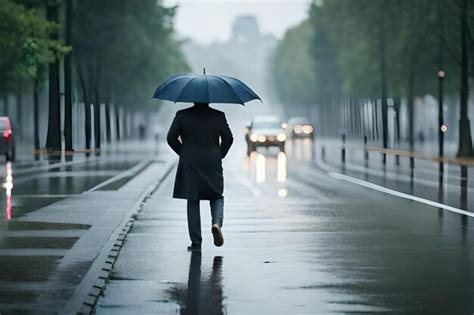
(7, 145)
(265, 131)
(300, 127)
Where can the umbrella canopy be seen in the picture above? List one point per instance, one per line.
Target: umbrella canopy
(204, 88)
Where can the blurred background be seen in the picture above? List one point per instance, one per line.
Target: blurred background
(78, 75)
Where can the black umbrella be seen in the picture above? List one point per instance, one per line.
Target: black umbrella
(204, 88)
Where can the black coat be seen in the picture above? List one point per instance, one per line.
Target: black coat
(199, 175)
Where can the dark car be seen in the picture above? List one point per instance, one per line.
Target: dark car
(265, 131)
(7, 145)
(300, 127)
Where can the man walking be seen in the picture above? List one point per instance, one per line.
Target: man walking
(201, 137)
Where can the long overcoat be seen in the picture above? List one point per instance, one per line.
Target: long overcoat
(201, 137)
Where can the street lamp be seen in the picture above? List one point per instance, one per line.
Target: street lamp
(442, 127)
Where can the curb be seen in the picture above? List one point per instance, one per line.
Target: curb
(110, 251)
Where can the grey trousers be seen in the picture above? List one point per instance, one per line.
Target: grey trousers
(194, 217)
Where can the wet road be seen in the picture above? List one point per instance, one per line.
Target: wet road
(425, 182)
(297, 240)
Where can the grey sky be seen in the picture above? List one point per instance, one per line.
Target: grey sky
(209, 20)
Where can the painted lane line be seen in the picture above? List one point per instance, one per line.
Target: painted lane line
(398, 194)
(402, 177)
(128, 173)
(45, 196)
(52, 166)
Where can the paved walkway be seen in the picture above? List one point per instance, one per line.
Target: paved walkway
(49, 252)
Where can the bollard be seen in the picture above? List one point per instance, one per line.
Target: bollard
(412, 173)
(464, 187)
(397, 160)
(440, 182)
(366, 153)
(323, 153)
(343, 152)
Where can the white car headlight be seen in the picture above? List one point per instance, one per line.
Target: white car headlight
(262, 138)
(307, 129)
(281, 137)
(253, 137)
(298, 129)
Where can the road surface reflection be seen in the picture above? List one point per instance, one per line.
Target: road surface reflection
(201, 296)
(269, 168)
(8, 186)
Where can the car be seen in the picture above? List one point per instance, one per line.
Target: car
(300, 127)
(265, 131)
(7, 145)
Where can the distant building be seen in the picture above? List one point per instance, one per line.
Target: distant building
(244, 55)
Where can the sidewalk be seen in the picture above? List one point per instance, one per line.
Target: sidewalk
(68, 243)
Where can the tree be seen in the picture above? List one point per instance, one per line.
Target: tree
(53, 138)
(68, 77)
(292, 69)
(121, 51)
(27, 49)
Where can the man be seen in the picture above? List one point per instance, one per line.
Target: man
(201, 137)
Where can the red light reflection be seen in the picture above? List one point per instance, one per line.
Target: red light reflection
(8, 185)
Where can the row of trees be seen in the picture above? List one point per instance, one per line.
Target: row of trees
(382, 49)
(94, 52)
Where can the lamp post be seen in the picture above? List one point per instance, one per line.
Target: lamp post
(442, 128)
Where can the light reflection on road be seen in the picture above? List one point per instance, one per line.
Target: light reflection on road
(301, 149)
(281, 167)
(8, 186)
(268, 168)
(261, 169)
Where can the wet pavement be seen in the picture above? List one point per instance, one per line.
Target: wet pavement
(425, 182)
(56, 215)
(297, 241)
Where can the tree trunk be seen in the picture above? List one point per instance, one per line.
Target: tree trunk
(6, 105)
(36, 86)
(396, 107)
(117, 123)
(465, 140)
(87, 122)
(383, 78)
(87, 108)
(410, 101)
(125, 124)
(108, 134)
(97, 101)
(68, 79)
(96, 108)
(97, 125)
(19, 113)
(53, 139)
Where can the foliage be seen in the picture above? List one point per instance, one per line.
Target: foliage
(292, 69)
(125, 49)
(417, 37)
(25, 44)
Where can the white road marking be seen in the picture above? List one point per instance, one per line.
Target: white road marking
(398, 194)
(128, 173)
(45, 196)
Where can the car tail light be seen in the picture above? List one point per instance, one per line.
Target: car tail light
(7, 134)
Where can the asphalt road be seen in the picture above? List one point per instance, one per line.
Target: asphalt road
(297, 240)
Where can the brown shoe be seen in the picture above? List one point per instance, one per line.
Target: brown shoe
(218, 236)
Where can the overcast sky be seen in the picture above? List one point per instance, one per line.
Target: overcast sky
(209, 20)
